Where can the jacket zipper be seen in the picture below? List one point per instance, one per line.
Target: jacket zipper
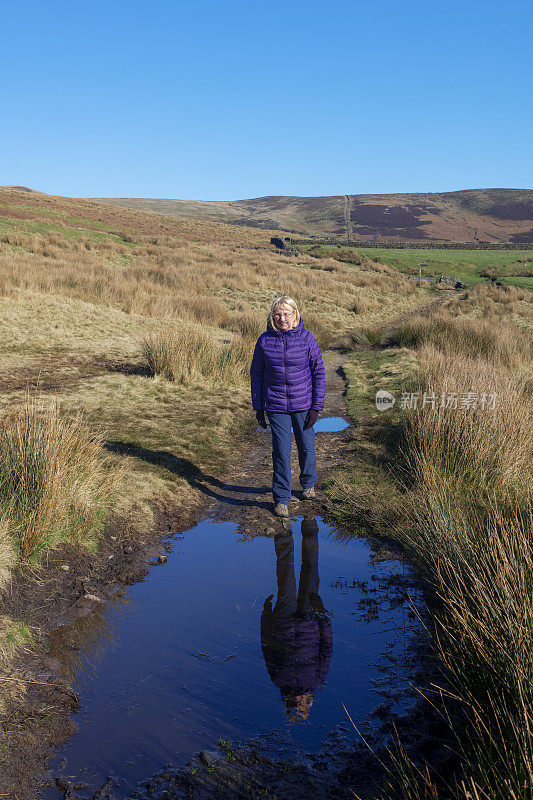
(285, 364)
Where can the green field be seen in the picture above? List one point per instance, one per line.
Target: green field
(464, 264)
(8, 226)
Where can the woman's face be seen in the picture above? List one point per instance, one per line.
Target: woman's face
(283, 317)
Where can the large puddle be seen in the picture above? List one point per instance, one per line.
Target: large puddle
(231, 638)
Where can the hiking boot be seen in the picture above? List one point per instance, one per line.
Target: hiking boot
(281, 510)
(309, 494)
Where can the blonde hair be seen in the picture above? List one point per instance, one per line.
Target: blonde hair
(297, 707)
(283, 300)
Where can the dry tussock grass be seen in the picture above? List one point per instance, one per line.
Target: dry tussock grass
(186, 356)
(475, 451)
(486, 301)
(35, 325)
(492, 338)
(471, 532)
(134, 278)
(250, 324)
(53, 482)
(216, 285)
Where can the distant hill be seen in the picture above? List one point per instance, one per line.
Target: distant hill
(18, 188)
(470, 215)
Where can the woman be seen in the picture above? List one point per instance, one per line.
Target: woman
(289, 384)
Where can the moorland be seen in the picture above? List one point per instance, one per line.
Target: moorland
(127, 331)
(470, 215)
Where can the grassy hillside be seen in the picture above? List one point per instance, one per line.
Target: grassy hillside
(92, 296)
(473, 215)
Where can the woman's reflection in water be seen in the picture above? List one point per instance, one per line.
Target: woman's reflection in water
(296, 635)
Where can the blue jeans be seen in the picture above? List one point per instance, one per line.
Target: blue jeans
(280, 425)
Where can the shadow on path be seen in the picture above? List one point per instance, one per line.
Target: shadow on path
(207, 484)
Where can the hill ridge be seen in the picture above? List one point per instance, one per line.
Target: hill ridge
(463, 215)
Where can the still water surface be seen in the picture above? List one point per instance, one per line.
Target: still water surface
(232, 638)
(331, 425)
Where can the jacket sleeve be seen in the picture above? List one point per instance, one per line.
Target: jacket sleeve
(318, 375)
(257, 372)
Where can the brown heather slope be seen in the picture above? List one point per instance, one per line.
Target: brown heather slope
(471, 215)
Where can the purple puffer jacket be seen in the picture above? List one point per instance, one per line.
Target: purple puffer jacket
(287, 371)
(297, 652)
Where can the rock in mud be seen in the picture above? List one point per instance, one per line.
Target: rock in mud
(93, 598)
(210, 757)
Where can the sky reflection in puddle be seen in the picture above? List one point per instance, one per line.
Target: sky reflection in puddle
(230, 639)
(331, 425)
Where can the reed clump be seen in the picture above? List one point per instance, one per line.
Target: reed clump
(189, 355)
(7, 557)
(475, 431)
(480, 563)
(471, 533)
(248, 324)
(497, 341)
(54, 485)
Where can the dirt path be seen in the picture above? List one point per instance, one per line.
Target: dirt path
(246, 497)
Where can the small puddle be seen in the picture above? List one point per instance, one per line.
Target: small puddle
(232, 638)
(331, 425)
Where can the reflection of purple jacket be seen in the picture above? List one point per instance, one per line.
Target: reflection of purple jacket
(287, 371)
(297, 651)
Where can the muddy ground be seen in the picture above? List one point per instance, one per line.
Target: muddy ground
(266, 769)
(76, 584)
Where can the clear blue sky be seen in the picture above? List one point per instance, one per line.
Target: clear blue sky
(219, 100)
